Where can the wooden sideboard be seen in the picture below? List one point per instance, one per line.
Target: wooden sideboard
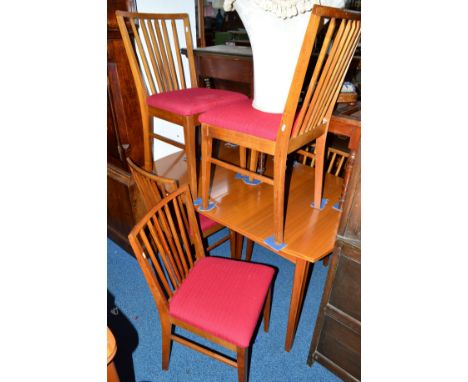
(336, 342)
(124, 133)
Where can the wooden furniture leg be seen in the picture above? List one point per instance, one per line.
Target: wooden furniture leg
(239, 245)
(190, 152)
(207, 148)
(319, 164)
(266, 312)
(148, 142)
(253, 162)
(242, 363)
(297, 295)
(233, 236)
(249, 250)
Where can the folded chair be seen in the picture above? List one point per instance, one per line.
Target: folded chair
(218, 299)
(153, 188)
(305, 118)
(164, 89)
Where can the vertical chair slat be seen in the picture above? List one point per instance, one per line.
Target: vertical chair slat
(162, 279)
(143, 58)
(178, 55)
(306, 110)
(165, 65)
(163, 229)
(335, 79)
(183, 232)
(341, 59)
(154, 52)
(169, 56)
(150, 49)
(156, 43)
(315, 104)
(340, 165)
(168, 263)
(180, 251)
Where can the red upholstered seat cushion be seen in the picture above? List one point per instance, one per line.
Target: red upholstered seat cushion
(242, 117)
(205, 223)
(193, 101)
(223, 297)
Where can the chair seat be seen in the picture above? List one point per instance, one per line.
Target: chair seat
(206, 223)
(223, 297)
(193, 101)
(242, 117)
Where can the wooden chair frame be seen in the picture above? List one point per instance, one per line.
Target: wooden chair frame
(164, 231)
(153, 188)
(298, 127)
(163, 73)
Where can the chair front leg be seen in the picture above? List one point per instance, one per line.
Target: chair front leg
(242, 364)
(207, 148)
(278, 198)
(166, 328)
(319, 167)
(266, 311)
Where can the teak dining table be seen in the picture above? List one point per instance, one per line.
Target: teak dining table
(248, 210)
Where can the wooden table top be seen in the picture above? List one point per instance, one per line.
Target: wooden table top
(310, 234)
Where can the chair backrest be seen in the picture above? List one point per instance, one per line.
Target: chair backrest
(152, 187)
(167, 243)
(329, 45)
(155, 56)
(336, 159)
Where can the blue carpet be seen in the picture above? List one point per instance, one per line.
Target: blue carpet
(133, 317)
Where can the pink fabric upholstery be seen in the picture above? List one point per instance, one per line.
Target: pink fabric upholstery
(242, 117)
(205, 223)
(224, 297)
(193, 101)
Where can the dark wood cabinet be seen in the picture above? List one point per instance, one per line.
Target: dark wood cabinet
(124, 133)
(336, 342)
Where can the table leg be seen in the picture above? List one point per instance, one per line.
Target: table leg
(297, 296)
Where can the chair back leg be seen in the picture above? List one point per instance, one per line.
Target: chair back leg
(266, 311)
(319, 166)
(190, 153)
(207, 149)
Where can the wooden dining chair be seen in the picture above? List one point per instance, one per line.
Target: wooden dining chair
(218, 299)
(300, 123)
(164, 88)
(153, 188)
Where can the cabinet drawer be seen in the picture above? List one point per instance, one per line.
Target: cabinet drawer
(341, 345)
(346, 290)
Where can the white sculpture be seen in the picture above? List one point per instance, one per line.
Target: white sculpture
(276, 29)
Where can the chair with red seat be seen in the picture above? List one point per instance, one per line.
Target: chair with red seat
(216, 298)
(305, 118)
(163, 85)
(153, 188)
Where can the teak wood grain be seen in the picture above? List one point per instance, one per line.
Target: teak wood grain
(304, 119)
(167, 244)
